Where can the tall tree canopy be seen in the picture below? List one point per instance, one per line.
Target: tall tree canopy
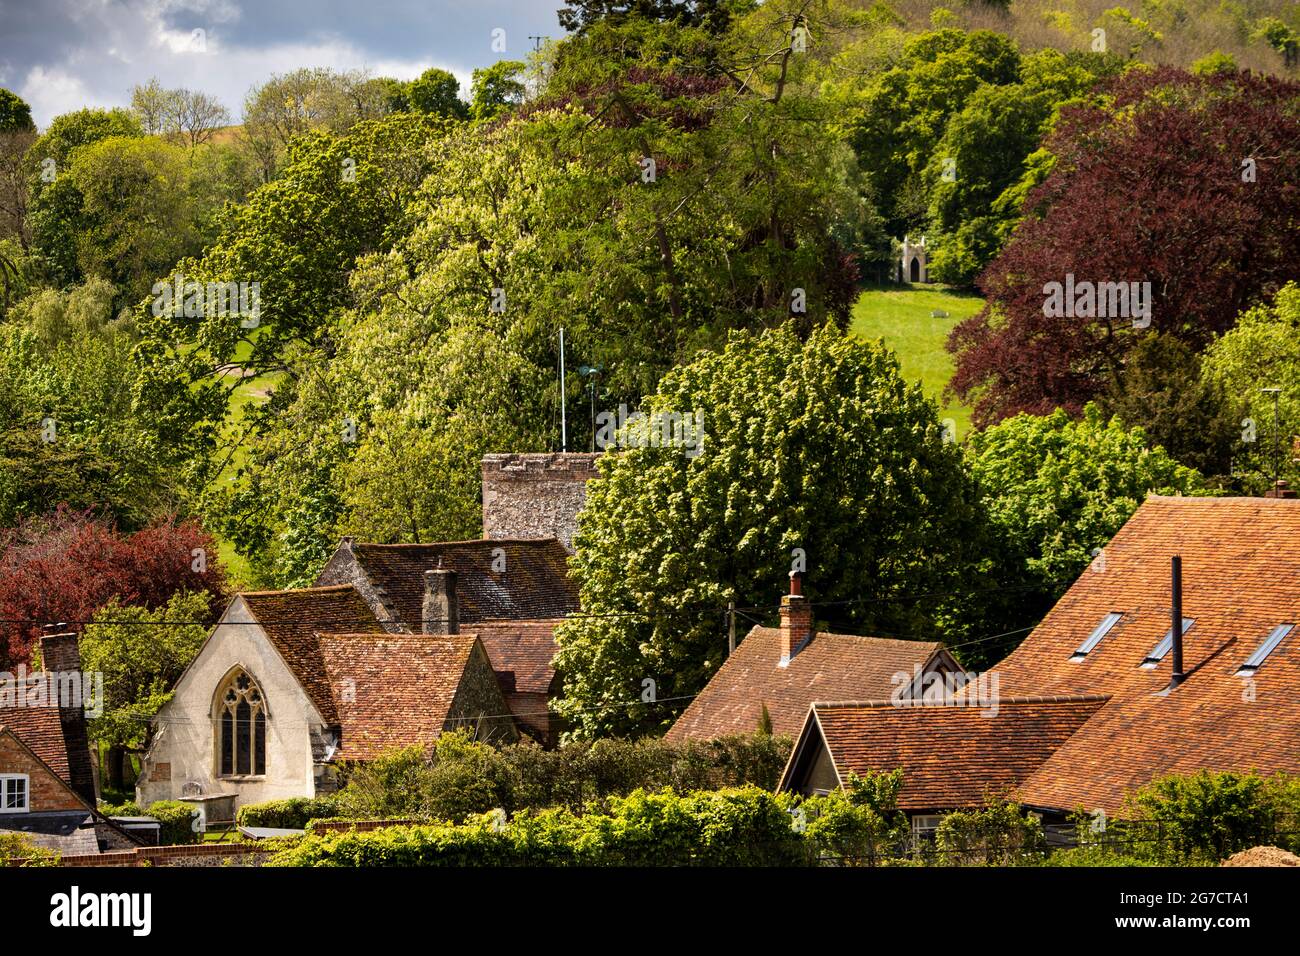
(818, 446)
(1189, 183)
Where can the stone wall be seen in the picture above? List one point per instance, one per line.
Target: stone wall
(535, 495)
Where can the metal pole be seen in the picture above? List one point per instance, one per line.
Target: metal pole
(731, 628)
(1176, 566)
(564, 420)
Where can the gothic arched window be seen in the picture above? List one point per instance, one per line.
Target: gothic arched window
(241, 726)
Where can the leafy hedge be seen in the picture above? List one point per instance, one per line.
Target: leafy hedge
(738, 827)
(463, 777)
(177, 821)
(291, 814)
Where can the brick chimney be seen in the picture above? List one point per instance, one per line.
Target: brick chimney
(61, 655)
(796, 620)
(441, 612)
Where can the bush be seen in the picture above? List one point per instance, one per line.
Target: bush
(17, 849)
(1001, 834)
(127, 809)
(1207, 816)
(291, 814)
(859, 824)
(463, 777)
(738, 827)
(177, 821)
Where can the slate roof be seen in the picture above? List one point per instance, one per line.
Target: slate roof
(829, 667)
(392, 690)
(951, 756)
(1241, 578)
(535, 583)
(294, 621)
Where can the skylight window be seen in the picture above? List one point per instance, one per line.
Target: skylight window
(1100, 631)
(1160, 650)
(1261, 653)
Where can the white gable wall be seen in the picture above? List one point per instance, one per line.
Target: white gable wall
(184, 747)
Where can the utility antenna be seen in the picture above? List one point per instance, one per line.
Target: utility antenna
(564, 419)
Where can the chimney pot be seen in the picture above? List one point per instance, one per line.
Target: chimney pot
(441, 613)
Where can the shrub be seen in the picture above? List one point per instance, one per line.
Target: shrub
(1000, 834)
(738, 827)
(1207, 816)
(177, 821)
(17, 849)
(859, 824)
(291, 814)
(463, 777)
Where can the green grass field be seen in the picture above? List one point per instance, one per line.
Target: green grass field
(901, 317)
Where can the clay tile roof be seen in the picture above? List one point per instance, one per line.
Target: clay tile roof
(42, 731)
(535, 583)
(392, 690)
(524, 648)
(293, 621)
(830, 667)
(951, 756)
(1241, 578)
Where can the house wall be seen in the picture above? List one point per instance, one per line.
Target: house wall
(46, 791)
(184, 748)
(479, 704)
(821, 774)
(535, 496)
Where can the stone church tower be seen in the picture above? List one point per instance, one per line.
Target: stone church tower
(913, 264)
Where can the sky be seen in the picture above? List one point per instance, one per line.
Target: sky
(62, 55)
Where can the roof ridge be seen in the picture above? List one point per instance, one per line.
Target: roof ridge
(447, 544)
(968, 701)
(321, 589)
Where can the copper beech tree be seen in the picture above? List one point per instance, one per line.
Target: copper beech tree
(1190, 183)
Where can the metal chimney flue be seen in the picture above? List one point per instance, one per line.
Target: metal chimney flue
(1176, 584)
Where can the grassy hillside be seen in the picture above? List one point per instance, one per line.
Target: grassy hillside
(902, 317)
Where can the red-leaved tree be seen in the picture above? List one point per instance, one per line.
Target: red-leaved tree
(1190, 183)
(66, 566)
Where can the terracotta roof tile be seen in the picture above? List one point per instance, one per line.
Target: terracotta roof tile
(951, 756)
(524, 648)
(293, 621)
(392, 690)
(1241, 578)
(829, 667)
(42, 731)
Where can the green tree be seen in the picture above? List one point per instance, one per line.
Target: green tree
(1056, 490)
(496, 89)
(1262, 351)
(1162, 389)
(818, 446)
(141, 653)
(437, 91)
(55, 202)
(15, 114)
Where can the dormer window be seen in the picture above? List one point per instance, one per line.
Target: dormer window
(1261, 653)
(1100, 631)
(1160, 650)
